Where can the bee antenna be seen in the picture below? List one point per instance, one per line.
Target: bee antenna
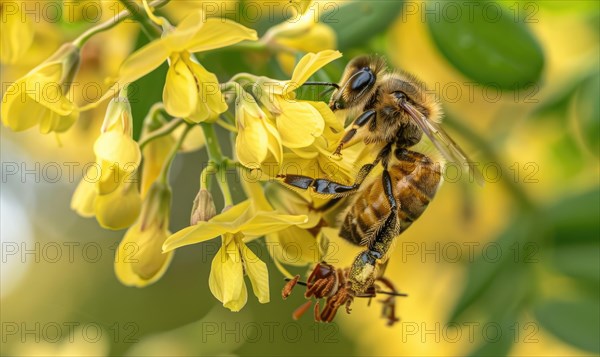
(330, 84)
(392, 293)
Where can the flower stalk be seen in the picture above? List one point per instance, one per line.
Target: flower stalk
(105, 26)
(217, 160)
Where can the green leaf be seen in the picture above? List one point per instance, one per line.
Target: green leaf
(585, 114)
(575, 219)
(488, 277)
(355, 23)
(580, 261)
(575, 238)
(575, 322)
(486, 42)
(501, 344)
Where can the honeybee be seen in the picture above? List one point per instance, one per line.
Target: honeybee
(392, 111)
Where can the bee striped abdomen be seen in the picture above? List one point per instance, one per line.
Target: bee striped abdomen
(415, 179)
(369, 210)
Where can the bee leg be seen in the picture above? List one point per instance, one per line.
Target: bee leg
(384, 238)
(358, 123)
(388, 189)
(327, 187)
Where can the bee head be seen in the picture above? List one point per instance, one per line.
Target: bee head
(358, 82)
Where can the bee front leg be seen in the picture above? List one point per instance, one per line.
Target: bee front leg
(358, 123)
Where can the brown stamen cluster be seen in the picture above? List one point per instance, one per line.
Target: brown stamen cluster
(327, 282)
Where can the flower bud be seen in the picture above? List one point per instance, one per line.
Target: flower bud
(204, 207)
(140, 260)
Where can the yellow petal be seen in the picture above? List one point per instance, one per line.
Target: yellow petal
(226, 279)
(274, 143)
(334, 127)
(120, 208)
(84, 198)
(118, 148)
(255, 192)
(51, 121)
(19, 111)
(218, 33)
(309, 64)
(155, 154)
(181, 36)
(139, 259)
(199, 233)
(236, 214)
(258, 274)
(44, 86)
(238, 303)
(252, 140)
(118, 115)
(317, 37)
(299, 123)
(17, 33)
(294, 246)
(268, 222)
(210, 101)
(228, 221)
(110, 177)
(291, 202)
(180, 94)
(142, 62)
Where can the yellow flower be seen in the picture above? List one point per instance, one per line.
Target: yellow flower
(17, 32)
(139, 259)
(296, 245)
(156, 152)
(257, 139)
(120, 208)
(236, 226)
(39, 97)
(190, 91)
(298, 122)
(113, 194)
(301, 33)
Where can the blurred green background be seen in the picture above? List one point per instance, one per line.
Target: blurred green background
(511, 268)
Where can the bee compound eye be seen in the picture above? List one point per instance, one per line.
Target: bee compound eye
(400, 96)
(363, 78)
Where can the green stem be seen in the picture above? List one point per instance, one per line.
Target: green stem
(205, 174)
(513, 188)
(165, 130)
(216, 158)
(122, 16)
(225, 125)
(164, 173)
(138, 14)
(212, 144)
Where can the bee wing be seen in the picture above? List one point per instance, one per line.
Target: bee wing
(442, 141)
